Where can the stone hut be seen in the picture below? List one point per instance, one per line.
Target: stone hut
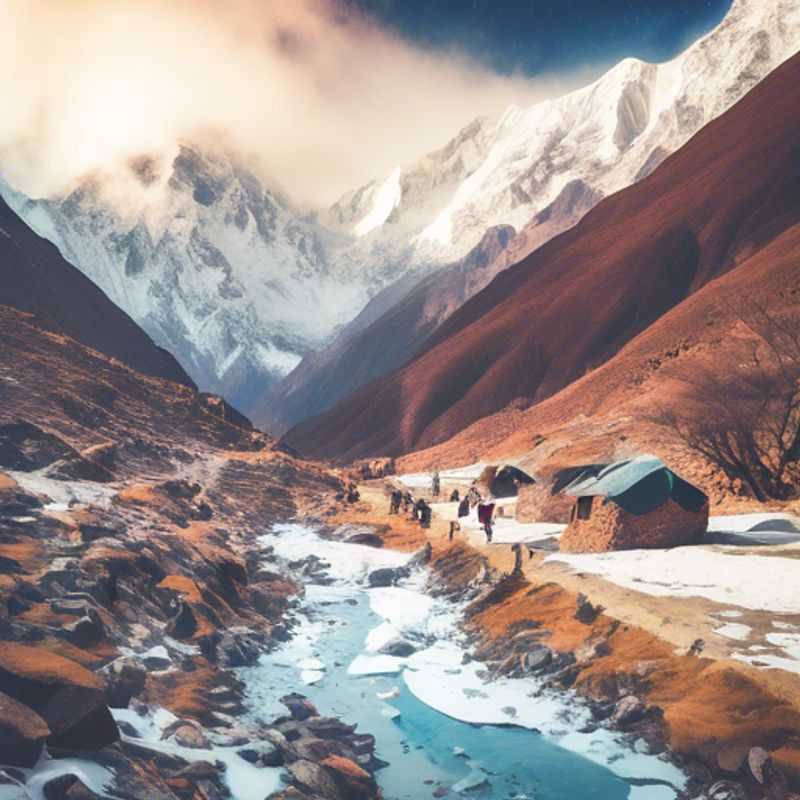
(545, 501)
(504, 482)
(633, 504)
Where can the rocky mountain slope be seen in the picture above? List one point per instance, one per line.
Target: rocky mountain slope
(239, 286)
(34, 278)
(539, 171)
(573, 303)
(208, 261)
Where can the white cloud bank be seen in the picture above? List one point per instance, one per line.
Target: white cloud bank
(321, 96)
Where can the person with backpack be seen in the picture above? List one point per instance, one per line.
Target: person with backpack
(425, 515)
(485, 515)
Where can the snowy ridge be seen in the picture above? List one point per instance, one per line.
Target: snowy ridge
(608, 134)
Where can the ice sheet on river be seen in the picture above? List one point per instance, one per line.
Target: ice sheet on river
(438, 678)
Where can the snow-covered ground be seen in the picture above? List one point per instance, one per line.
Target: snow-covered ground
(62, 493)
(453, 477)
(751, 572)
(757, 582)
(506, 529)
(751, 561)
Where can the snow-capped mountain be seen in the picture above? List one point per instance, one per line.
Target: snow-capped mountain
(240, 286)
(607, 135)
(213, 265)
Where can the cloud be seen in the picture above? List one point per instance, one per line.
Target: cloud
(316, 94)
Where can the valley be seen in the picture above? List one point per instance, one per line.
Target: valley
(480, 481)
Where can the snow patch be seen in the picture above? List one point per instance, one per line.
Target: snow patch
(767, 583)
(734, 630)
(245, 780)
(387, 198)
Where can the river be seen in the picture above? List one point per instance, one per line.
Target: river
(428, 712)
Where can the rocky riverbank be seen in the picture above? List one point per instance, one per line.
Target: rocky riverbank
(128, 607)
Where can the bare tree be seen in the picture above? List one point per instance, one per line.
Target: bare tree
(744, 416)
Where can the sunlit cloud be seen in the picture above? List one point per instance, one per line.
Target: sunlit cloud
(317, 96)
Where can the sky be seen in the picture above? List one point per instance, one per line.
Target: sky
(319, 96)
(535, 36)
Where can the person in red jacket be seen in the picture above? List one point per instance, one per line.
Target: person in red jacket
(485, 514)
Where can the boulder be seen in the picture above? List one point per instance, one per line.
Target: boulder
(367, 538)
(726, 790)
(68, 697)
(586, 612)
(300, 707)
(628, 710)
(421, 558)
(270, 599)
(198, 771)
(759, 761)
(183, 625)
(329, 727)
(263, 753)
(22, 733)
(398, 647)
(93, 526)
(68, 787)
(86, 631)
(314, 778)
(124, 679)
(94, 731)
(353, 782)
(537, 658)
(186, 734)
(387, 576)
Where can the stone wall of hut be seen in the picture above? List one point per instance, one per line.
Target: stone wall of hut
(535, 503)
(610, 527)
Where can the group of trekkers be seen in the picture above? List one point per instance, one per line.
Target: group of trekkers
(402, 501)
(419, 510)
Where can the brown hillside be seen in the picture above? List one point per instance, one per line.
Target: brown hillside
(576, 301)
(35, 278)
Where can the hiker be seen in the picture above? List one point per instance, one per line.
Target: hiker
(463, 508)
(517, 550)
(394, 506)
(408, 501)
(353, 495)
(417, 509)
(435, 484)
(425, 515)
(485, 513)
(474, 496)
(454, 496)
